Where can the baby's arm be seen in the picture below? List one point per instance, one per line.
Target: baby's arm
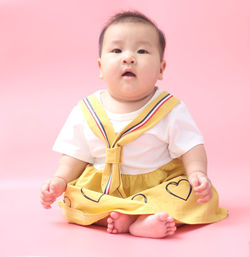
(195, 163)
(68, 169)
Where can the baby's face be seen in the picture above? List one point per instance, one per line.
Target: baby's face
(130, 63)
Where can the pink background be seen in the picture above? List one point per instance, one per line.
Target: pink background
(48, 61)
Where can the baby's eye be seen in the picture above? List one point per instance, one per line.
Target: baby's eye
(116, 51)
(142, 51)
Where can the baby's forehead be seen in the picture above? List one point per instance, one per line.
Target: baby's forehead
(131, 24)
(135, 29)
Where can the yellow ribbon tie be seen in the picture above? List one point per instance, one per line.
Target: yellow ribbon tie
(112, 166)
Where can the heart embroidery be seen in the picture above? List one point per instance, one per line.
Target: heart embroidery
(91, 199)
(144, 197)
(174, 189)
(67, 201)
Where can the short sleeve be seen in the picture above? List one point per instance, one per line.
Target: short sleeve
(182, 132)
(71, 139)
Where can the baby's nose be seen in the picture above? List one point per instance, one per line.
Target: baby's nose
(128, 59)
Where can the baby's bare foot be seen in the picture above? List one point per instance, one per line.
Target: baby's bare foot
(119, 223)
(157, 225)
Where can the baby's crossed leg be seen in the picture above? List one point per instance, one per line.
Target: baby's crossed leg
(157, 225)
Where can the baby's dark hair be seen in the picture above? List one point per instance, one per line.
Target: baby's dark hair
(132, 16)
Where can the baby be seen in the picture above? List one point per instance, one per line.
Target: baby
(133, 159)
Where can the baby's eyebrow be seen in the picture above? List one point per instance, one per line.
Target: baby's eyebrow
(143, 42)
(116, 41)
(140, 42)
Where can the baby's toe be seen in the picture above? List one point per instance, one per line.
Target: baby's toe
(110, 220)
(115, 231)
(163, 217)
(110, 227)
(170, 219)
(114, 215)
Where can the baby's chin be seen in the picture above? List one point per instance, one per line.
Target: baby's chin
(130, 98)
(133, 96)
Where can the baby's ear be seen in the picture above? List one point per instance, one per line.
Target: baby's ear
(162, 68)
(100, 68)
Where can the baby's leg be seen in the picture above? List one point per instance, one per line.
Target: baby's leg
(157, 225)
(119, 222)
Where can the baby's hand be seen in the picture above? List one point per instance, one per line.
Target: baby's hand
(52, 189)
(202, 185)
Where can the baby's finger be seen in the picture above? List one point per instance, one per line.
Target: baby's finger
(44, 198)
(46, 206)
(46, 201)
(204, 192)
(53, 188)
(204, 183)
(205, 199)
(47, 195)
(45, 187)
(194, 181)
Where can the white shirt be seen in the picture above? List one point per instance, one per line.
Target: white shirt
(170, 138)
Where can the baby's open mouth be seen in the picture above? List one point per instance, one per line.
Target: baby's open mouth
(128, 74)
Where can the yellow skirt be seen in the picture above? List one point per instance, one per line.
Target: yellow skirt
(165, 190)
